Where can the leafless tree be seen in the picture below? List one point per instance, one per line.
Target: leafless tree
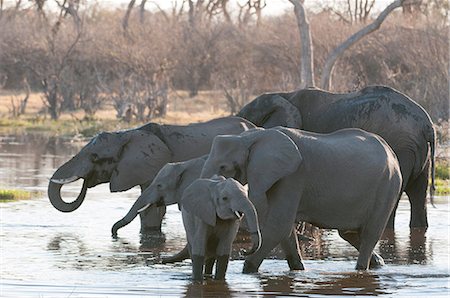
(306, 60)
(325, 80)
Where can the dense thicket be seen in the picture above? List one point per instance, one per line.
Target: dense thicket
(82, 63)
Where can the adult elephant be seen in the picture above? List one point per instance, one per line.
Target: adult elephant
(404, 124)
(133, 157)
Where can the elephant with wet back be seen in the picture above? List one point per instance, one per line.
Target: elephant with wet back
(347, 180)
(133, 157)
(400, 121)
(210, 233)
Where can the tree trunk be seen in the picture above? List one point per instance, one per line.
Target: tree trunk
(306, 59)
(325, 80)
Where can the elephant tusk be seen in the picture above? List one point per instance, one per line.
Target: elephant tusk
(64, 181)
(143, 208)
(239, 215)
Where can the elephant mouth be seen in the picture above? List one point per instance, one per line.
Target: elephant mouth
(239, 214)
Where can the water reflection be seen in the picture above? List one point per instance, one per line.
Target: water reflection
(210, 288)
(274, 286)
(357, 283)
(394, 249)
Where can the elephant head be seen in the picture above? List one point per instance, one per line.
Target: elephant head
(125, 159)
(166, 188)
(269, 110)
(209, 199)
(250, 158)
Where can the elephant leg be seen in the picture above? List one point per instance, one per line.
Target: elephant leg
(197, 267)
(271, 236)
(151, 219)
(221, 267)
(291, 249)
(406, 161)
(417, 194)
(353, 238)
(209, 264)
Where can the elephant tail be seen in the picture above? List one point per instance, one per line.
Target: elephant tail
(431, 139)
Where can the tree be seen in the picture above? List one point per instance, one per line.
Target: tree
(306, 66)
(325, 80)
(306, 60)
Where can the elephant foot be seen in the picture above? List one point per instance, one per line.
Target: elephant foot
(249, 267)
(197, 268)
(295, 263)
(221, 267)
(376, 261)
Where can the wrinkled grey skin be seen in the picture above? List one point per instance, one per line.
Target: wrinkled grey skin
(133, 157)
(348, 180)
(166, 188)
(401, 122)
(211, 211)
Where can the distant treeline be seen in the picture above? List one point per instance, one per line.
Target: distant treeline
(82, 59)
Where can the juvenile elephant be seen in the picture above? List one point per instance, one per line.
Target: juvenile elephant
(133, 157)
(211, 210)
(166, 188)
(348, 180)
(400, 121)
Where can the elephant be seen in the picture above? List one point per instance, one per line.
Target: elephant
(400, 121)
(212, 210)
(348, 180)
(166, 188)
(133, 157)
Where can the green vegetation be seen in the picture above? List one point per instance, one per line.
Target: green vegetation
(7, 195)
(85, 128)
(442, 187)
(442, 182)
(443, 169)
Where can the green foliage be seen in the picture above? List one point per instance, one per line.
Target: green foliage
(442, 187)
(85, 128)
(14, 194)
(443, 170)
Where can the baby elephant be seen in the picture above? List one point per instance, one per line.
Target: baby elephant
(211, 210)
(166, 188)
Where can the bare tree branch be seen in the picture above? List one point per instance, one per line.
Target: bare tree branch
(325, 80)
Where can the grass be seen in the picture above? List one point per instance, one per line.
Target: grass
(442, 169)
(442, 187)
(7, 195)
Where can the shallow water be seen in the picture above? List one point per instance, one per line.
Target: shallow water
(46, 253)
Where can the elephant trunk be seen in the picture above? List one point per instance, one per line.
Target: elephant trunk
(138, 206)
(54, 194)
(253, 226)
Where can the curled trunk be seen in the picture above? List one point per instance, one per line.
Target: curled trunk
(138, 206)
(54, 194)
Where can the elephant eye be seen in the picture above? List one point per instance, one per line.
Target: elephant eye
(222, 168)
(225, 198)
(94, 157)
(159, 186)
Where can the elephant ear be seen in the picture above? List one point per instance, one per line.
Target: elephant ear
(197, 200)
(143, 154)
(270, 110)
(272, 156)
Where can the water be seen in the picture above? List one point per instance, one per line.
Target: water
(46, 253)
